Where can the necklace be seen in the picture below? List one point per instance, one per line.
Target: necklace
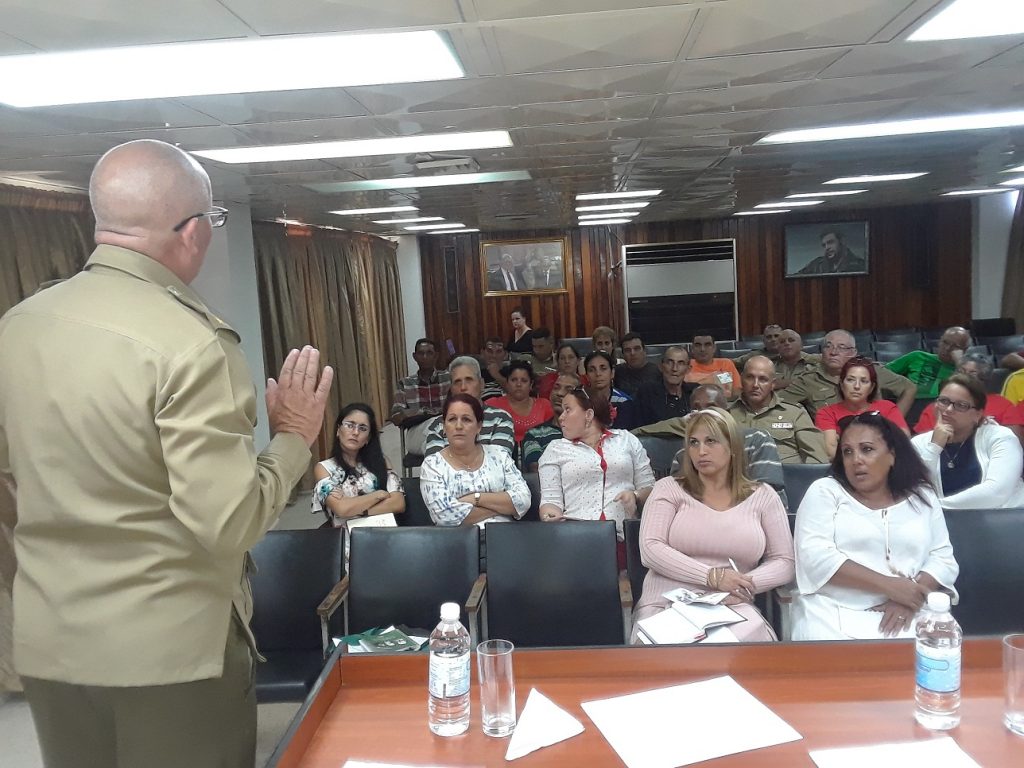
(951, 460)
(466, 465)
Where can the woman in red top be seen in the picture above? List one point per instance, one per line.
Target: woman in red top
(526, 411)
(858, 390)
(567, 360)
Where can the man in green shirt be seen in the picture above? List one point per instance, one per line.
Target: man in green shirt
(929, 370)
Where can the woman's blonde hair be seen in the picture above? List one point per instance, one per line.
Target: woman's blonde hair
(722, 427)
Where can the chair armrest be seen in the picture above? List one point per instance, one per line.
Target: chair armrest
(625, 591)
(476, 595)
(334, 598)
(784, 594)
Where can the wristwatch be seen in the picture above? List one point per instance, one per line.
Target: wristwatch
(476, 499)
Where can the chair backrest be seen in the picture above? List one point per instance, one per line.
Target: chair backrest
(901, 345)
(553, 584)
(635, 569)
(888, 355)
(995, 381)
(661, 451)
(583, 344)
(733, 354)
(533, 483)
(1002, 345)
(987, 545)
(416, 513)
(401, 576)
(798, 478)
(294, 572)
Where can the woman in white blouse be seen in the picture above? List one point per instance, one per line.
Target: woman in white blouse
(871, 539)
(974, 462)
(592, 472)
(467, 483)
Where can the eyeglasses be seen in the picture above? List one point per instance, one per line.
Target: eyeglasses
(957, 405)
(217, 218)
(828, 346)
(351, 426)
(846, 421)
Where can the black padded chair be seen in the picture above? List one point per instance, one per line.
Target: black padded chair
(798, 478)
(416, 513)
(556, 585)
(661, 451)
(1002, 345)
(888, 355)
(994, 383)
(916, 409)
(635, 569)
(533, 483)
(863, 340)
(987, 545)
(402, 575)
(732, 354)
(907, 335)
(294, 590)
(896, 345)
(582, 344)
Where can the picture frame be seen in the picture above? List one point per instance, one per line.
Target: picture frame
(827, 249)
(524, 267)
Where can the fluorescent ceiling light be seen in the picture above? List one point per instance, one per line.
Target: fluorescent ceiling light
(973, 18)
(394, 145)
(611, 195)
(362, 211)
(413, 220)
(871, 179)
(284, 63)
(761, 213)
(594, 222)
(1018, 169)
(837, 193)
(791, 204)
(296, 222)
(425, 227)
(615, 207)
(959, 192)
(455, 232)
(615, 215)
(420, 182)
(1019, 182)
(973, 122)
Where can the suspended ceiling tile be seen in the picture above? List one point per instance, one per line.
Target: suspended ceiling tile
(609, 82)
(54, 146)
(757, 26)
(608, 131)
(11, 45)
(589, 110)
(586, 41)
(901, 57)
(308, 16)
(435, 96)
(723, 71)
(494, 10)
(61, 26)
(99, 118)
(487, 119)
(237, 108)
(301, 131)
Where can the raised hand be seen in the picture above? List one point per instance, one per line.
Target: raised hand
(296, 400)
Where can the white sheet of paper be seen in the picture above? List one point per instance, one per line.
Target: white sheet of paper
(720, 635)
(684, 595)
(703, 616)
(541, 724)
(669, 627)
(685, 724)
(943, 751)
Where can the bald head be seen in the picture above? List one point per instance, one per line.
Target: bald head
(708, 395)
(758, 375)
(140, 191)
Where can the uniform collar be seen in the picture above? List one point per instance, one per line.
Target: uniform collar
(773, 401)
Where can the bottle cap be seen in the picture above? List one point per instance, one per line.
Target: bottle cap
(938, 601)
(450, 612)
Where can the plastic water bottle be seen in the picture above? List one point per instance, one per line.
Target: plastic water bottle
(448, 701)
(938, 643)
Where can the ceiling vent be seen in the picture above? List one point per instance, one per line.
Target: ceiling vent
(438, 164)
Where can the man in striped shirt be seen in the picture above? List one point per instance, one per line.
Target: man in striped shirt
(497, 427)
(538, 438)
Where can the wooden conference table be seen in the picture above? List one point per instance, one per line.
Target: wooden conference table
(835, 694)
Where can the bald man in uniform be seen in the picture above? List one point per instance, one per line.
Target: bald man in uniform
(126, 420)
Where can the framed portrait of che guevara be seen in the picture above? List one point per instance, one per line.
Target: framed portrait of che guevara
(516, 267)
(830, 249)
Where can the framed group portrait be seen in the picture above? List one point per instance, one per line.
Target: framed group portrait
(515, 267)
(827, 249)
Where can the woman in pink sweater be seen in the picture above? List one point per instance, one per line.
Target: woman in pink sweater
(695, 526)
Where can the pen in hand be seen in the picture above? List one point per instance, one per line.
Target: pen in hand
(748, 592)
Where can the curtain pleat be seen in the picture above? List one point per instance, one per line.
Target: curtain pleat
(1013, 285)
(340, 292)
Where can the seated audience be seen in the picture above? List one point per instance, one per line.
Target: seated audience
(497, 428)
(858, 388)
(521, 340)
(791, 358)
(542, 357)
(871, 539)
(973, 462)
(420, 396)
(493, 359)
(798, 440)
(697, 525)
(601, 374)
(705, 368)
(636, 371)
(669, 396)
(1013, 361)
(770, 346)
(603, 339)
(815, 386)
(593, 472)
(355, 486)
(468, 483)
(1013, 388)
(567, 360)
(928, 370)
(997, 407)
(538, 438)
(526, 411)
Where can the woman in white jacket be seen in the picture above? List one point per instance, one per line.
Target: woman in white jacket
(973, 462)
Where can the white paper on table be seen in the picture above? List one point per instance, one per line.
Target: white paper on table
(943, 751)
(685, 724)
(720, 635)
(541, 724)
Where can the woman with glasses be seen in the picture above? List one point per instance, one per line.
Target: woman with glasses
(355, 486)
(593, 472)
(526, 410)
(871, 539)
(858, 393)
(711, 528)
(974, 462)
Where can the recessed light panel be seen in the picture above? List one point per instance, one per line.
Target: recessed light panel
(791, 204)
(966, 192)
(972, 122)
(413, 220)
(1019, 182)
(618, 195)
(366, 211)
(614, 215)
(871, 179)
(615, 207)
(426, 227)
(837, 193)
(420, 182)
(597, 222)
(973, 18)
(455, 232)
(761, 213)
(283, 63)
